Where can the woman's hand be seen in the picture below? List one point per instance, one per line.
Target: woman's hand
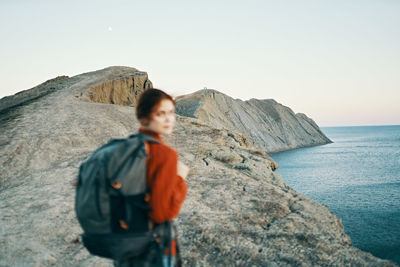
(183, 170)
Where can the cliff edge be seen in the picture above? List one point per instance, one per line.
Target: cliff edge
(265, 123)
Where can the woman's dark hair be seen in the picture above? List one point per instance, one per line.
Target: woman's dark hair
(148, 101)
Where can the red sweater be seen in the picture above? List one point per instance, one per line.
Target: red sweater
(167, 189)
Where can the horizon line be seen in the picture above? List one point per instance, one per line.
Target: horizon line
(378, 125)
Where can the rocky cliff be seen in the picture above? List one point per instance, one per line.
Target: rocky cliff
(122, 91)
(264, 123)
(238, 211)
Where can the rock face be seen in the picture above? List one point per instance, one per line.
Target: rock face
(123, 91)
(265, 123)
(238, 211)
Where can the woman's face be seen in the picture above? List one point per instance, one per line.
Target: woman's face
(163, 118)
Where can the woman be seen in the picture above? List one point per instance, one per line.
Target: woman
(166, 176)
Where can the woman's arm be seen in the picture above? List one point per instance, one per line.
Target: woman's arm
(169, 189)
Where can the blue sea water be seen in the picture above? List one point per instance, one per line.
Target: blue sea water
(358, 178)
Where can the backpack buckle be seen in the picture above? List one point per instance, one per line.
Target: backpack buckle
(123, 225)
(116, 185)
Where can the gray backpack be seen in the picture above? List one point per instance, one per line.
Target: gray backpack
(111, 200)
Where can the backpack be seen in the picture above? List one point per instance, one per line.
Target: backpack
(111, 201)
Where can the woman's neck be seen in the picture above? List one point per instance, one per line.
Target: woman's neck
(144, 128)
(148, 131)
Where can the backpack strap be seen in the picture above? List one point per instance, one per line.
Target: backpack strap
(144, 136)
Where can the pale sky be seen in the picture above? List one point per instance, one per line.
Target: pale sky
(336, 61)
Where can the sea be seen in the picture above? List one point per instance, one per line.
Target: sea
(358, 178)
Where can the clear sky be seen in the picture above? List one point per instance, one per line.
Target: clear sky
(336, 61)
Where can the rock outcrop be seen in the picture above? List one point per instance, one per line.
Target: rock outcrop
(264, 123)
(238, 211)
(122, 91)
